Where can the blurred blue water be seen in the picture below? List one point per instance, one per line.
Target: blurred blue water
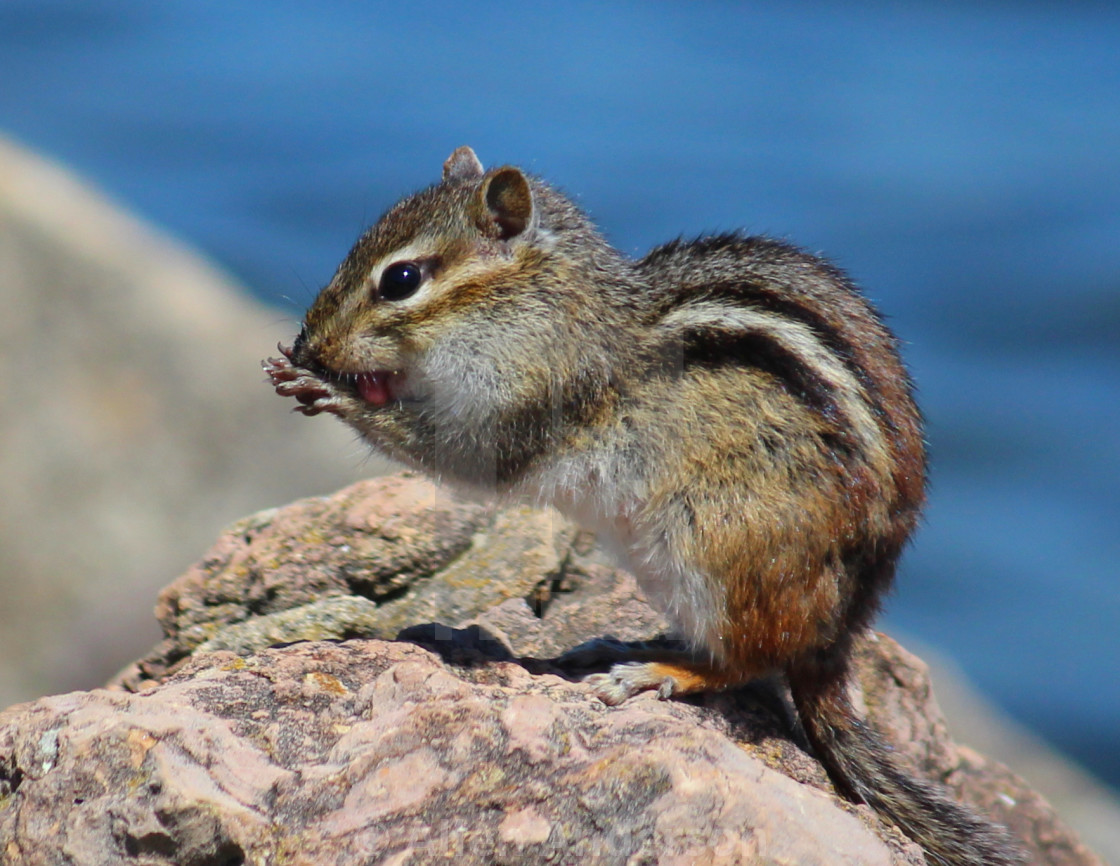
(963, 161)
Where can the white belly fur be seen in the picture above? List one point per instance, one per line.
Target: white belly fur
(615, 512)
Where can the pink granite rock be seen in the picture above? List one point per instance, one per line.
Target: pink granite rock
(460, 740)
(366, 751)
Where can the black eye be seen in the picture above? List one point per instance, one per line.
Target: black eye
(400, 280)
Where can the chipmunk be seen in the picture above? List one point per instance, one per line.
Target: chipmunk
(729, 415)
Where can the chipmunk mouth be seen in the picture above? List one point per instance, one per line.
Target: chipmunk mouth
(380, 387)
(376, 387)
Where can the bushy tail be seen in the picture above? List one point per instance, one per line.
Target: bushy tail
(861, 767)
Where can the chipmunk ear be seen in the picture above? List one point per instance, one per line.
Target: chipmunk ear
(462, 164)
(504, 207)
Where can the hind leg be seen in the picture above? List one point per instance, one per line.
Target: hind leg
(638, 668)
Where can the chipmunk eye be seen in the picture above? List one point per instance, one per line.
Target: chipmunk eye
(400, 280)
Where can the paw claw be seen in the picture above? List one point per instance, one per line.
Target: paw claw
(280, 370)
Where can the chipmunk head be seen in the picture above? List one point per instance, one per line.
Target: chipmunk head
(454, 314)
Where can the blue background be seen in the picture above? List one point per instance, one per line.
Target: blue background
(961, 160)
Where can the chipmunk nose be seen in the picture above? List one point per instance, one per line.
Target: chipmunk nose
(318, 350)
(298, 345)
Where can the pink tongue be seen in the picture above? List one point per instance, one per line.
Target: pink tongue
(374, 387)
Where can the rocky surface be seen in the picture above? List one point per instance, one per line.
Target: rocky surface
(387, 554)
(367, 751)
(135, 423)
(460, 739)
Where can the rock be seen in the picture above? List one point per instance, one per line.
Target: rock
(367, 751)
(460, 739)
(136, 423)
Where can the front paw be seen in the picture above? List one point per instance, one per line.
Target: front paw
(313, 393)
